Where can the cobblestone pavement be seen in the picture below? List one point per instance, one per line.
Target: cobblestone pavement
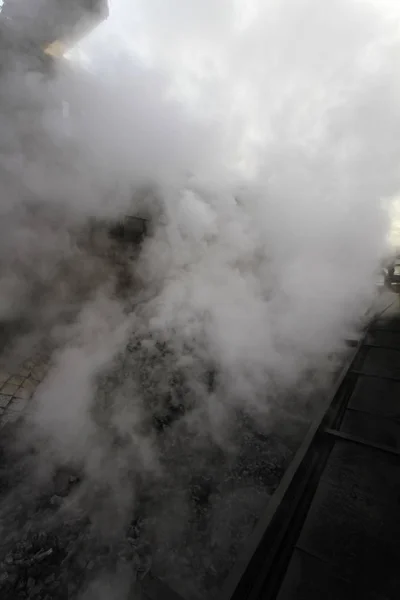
(18, 385)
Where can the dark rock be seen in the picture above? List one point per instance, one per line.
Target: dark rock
(56, 500)
(72, 588)
(30, 584)
(3, 578)
(35, 592)
(81, 562)
(61, 483)
(13, 578)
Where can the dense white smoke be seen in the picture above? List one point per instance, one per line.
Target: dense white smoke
(270, 245)
(267, 136)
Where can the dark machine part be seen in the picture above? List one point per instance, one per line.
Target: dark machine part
(33, 33)
(43, 23)
(36, 34)
(129, 230)
(391, 274)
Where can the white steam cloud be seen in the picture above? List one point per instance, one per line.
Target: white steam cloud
(266, 136)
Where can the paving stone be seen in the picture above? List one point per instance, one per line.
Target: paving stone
(388, 339)
(18, 385)
(368, 389)
(353, 523)
(24, 393)
(16, 380)
(24, 372)
(357, 468)
(373, 428)
(4, 400)
(29, 385)
(9, 417)
(8, 389)
(382, 363)
(39, 373)
(17, 404)
(29, 365)
(4, 376)
(309, 578)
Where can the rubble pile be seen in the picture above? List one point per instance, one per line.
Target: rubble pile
(50, 552)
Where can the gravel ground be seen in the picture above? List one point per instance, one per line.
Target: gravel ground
(166, 485)
(50, 549)
(63, 529)
(189, 537)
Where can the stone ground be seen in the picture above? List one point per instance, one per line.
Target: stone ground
(18, 384)
(187, 529)
(60, 537)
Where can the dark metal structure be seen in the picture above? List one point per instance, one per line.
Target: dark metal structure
(42, 23)
(391, 273)
(36, 34)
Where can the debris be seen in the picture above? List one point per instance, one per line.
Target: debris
(30, 584)
(56, 500)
